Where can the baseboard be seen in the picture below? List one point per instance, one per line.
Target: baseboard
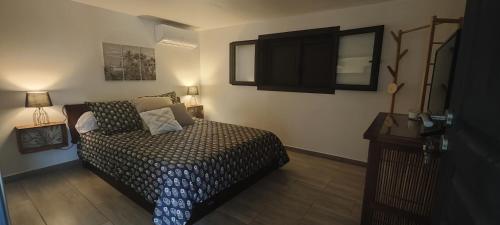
(327, 156)
(41, 171)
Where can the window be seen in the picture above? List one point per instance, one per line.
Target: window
(242, 63)
(318, 61)
(359, 53)
(300, 61)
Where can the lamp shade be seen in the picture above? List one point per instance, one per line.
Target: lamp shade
(193, 90)
(38, 99)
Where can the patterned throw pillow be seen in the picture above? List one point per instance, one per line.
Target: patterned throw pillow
(115, 117)
(143, 104)
(172, 97)
(160, 121)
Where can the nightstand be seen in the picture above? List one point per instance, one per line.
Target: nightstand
(196, 111)
(31, 138)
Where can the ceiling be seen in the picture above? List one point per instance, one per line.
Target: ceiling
(208, 14)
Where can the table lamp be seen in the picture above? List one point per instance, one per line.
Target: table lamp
(39, 100)
(193, 91)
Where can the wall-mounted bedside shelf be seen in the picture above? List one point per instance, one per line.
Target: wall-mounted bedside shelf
(31, 138)
(196, 111)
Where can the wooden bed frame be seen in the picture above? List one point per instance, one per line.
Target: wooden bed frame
(73, 112)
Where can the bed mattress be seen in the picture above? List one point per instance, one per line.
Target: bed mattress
(180, 169)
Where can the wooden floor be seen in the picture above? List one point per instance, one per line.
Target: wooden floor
(308, 190)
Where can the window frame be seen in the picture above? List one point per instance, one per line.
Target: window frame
(376, 57)
(232, 63)
(302, 34)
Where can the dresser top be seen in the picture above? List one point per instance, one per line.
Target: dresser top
(394, 128)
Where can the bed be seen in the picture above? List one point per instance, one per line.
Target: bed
(183, 175)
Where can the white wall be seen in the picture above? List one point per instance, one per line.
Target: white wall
(56, 45)
(332, 124)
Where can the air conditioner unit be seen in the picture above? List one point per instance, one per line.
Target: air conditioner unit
(174, 36)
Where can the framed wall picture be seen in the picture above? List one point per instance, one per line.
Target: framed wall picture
(359, 52)
(242, 63)
(123, 62)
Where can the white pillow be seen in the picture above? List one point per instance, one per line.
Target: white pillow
(87, 122)
(160, 121)
(144, 104)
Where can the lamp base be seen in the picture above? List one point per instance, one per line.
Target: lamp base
(40, 117)
(191, 100)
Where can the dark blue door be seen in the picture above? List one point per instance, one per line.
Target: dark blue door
(4, 219)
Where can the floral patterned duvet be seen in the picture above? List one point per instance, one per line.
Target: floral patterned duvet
(180, 169)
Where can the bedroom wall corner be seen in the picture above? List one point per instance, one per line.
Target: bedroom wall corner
(329, 124)
(57, 46)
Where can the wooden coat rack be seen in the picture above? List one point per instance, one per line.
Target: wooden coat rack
(435, 22)
(395, 87)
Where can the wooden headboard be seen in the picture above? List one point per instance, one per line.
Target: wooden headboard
(73, 113)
